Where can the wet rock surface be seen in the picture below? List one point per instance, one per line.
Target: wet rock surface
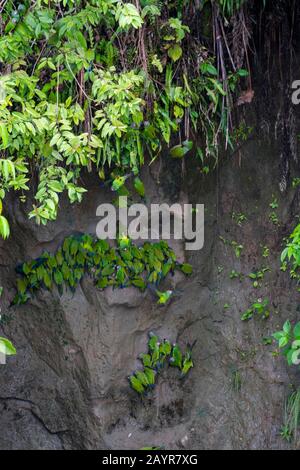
(67, 388)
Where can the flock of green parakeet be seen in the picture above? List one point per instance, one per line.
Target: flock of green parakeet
(120, 266)
(160, 354)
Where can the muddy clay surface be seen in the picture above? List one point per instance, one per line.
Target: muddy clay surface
(67, 388)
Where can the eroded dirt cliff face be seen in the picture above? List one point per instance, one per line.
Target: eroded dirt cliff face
(67, 388)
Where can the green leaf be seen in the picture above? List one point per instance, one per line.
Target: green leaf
(8, 170)
(128, 15)
(295, 357)
(81, 39)
(287, 327)
(4, 135)
(54, 139)
(278, 335)
(284, 341)
(243, 73)
(175, 52)
(56, 186)
(4, 227)
(296, 344)
(7, 347)
(50, 204)
(209, 68)
(297, 331)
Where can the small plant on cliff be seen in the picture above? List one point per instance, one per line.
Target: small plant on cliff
(296, 182)
(260, 307)
(289, 342)
(289, 430)
(237, 248)
(258, 276)
(265, 251)
(160, 353)
(273, 217)
(239, 218)
(291, 254)
(236, 275)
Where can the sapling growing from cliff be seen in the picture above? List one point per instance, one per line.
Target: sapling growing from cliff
(259, 308)
(289, 342)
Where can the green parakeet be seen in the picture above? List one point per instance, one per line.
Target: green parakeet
(139, 186)
(155, 356)
(146, 360)
(180, 150)
(154, 345)
(136, 384)
(150, 374)
(118, 182)
(164, 297)
(187, 363)
(153, 341)
(142, 377)
(121, 276)
(165, 348)
(176, 357)
(124, 242)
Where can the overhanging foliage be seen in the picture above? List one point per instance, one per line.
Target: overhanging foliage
(106, 84)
